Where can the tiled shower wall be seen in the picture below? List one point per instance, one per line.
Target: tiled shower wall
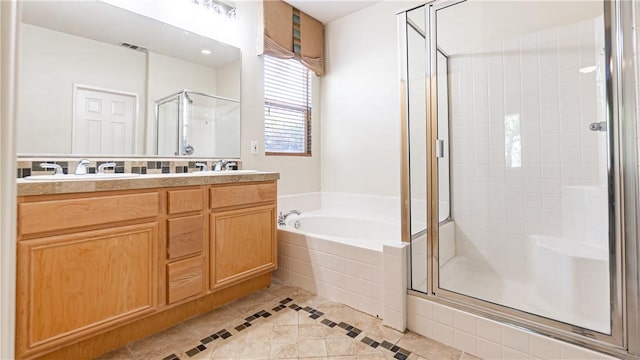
(524, 161)
(28, 166)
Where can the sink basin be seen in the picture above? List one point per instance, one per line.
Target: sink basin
(226, 172)
(70, 177)
(202, 173)
(80, 177)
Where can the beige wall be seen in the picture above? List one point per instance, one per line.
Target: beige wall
(227, 82)
(360, 103)
(298, 174)
(51, 62)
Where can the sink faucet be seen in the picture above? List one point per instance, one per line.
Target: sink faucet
(219, 164)
(57, 168)
(81, 168)
(229, 165)
(282, 217)
(104, 166)
(202, 166)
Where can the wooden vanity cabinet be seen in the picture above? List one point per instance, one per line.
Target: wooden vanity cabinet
(83, 267)
(185, 243)
(91, 264)
(242, 232)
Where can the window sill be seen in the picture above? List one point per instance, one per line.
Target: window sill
(287, 154)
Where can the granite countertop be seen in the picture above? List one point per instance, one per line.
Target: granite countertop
(41, 187)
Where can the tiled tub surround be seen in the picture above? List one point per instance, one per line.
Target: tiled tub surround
(525, 213)
(285, 322)
(30, 166)
(352, 254)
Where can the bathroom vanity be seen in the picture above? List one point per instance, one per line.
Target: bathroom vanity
(104, 262)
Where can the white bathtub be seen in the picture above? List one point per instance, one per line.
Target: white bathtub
(347, 248)
(364, 233)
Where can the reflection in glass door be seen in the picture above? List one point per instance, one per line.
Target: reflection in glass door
(521, 146)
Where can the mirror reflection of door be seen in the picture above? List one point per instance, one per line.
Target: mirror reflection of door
(104, 121)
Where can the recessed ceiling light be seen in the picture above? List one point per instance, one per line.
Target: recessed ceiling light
(206, 51)
(588, 69)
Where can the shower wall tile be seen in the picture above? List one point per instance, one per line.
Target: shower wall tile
(491, 339)
(510, 354)
(515, 339)
(465, 342)
(489, 350)
(443, 334)
(532, 85)
(542, 348)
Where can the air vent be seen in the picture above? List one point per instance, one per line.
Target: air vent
(133, 47)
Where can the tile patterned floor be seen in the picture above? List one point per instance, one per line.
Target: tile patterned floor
(284, 322)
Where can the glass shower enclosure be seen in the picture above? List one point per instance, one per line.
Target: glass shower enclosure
(511, 189)
(196, 124)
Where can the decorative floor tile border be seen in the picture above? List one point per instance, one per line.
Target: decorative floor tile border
(351, 331)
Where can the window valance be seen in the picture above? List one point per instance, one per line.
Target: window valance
(290, 33)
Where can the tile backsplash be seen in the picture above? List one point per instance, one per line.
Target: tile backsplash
(29, 166)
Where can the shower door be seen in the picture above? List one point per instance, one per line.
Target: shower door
(167, 125)
(509, 126)
(197, 124)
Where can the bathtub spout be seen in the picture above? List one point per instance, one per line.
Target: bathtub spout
(282, 217)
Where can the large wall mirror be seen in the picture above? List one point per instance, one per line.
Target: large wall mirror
(92, 77)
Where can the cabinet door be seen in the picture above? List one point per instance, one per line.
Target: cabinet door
(243, 244)
(78, 284)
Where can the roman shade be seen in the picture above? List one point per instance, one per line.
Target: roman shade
(290, 33)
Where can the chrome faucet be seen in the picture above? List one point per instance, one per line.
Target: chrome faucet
(81, 168)
(57, 168)
(219, 164)
(229, 165)
(282, 217)
(104, 166)
(202, 166)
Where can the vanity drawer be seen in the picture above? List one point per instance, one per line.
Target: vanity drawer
(181, 201)
(235, 195)
(51, 215)
(185, 236)
(185, 278)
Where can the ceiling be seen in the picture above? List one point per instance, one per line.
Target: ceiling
(329, 10)
(100, 21)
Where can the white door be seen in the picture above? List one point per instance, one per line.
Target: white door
(104, 122)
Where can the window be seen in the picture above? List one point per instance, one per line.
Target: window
(287, 107)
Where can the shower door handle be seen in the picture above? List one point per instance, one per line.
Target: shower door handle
(439, 148)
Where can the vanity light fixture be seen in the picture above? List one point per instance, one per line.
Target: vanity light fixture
(588, 69)
(206, 51)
